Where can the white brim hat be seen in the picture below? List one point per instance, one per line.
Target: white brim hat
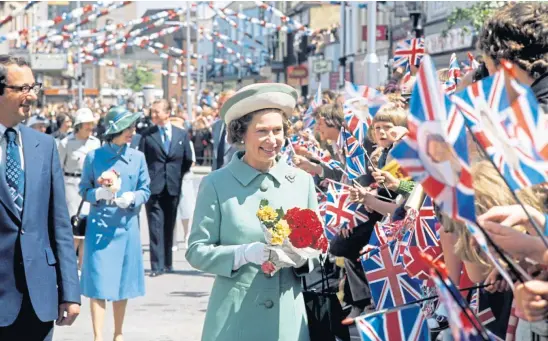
(259, 96)
(37, 120)
(84, 115)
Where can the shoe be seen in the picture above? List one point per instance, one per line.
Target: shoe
(168, 269)
(156, 273)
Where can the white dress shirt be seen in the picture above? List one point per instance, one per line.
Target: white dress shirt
(4, 144)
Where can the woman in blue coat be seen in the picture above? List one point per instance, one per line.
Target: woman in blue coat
(227, 238)
(113, 263)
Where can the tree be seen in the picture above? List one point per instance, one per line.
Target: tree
(135, 78)
(476, 15)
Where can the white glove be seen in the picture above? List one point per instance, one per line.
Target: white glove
(125, 200)
(103, 194)
(255, 253)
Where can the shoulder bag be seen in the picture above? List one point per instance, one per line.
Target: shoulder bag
(324, 312)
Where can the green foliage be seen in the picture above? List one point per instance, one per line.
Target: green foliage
(476, 15)
(135, 78)
(263, 203)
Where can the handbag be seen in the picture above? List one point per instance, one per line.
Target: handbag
(79, 222)
(324, 312)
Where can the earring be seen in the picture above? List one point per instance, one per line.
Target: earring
(242, 142)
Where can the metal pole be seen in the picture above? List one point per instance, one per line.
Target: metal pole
(198, 49)
(189, 102)
(371, 60)
(79, 68)
(239, 36)
(342, 42)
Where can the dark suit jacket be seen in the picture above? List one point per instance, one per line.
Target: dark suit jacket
(216, 131)
(135, 141)
(166, 170)
(45, 263)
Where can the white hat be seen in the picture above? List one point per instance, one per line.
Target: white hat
(37, 119)
(84, 115)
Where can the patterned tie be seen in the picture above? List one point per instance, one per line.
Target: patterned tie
(166, 139)
(15, 176)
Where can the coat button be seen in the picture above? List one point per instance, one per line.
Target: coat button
(263, 187)
(22, 231)
(268, 304)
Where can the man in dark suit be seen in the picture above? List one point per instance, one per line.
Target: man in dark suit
(222, 150)
(38, 272)
(169, 156)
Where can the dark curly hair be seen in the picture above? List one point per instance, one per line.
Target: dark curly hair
(518, 32)
(237, 129)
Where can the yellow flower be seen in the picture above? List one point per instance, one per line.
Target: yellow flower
(267, 213)
(276, 239)
(282, 229)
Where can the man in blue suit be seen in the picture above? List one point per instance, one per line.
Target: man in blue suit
(169, 156)
(38, 273)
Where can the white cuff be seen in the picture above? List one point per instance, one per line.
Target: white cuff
(239, 257)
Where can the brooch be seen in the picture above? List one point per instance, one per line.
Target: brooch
(290, 177)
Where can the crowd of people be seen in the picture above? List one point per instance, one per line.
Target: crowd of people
(265, 143)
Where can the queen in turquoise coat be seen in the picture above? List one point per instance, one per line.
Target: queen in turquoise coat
(227, 239)
(112, 269)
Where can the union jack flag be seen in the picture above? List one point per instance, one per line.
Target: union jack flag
(449, 87)
(354, 152)
(340, 212)
(472, 65)
(464, 324)
(380, 235)
(454, 69)
(308, 118)
(355, 124)
(423, 239)
(390, 285)
(409, 50)
(368, 96)
(407, 324)
(405, 79)
(479, 304)
(322, 205)
(511, 133)
(435, 152)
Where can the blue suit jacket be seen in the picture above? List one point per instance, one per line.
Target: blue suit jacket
(45, 265)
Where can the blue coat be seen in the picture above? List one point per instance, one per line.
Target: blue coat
(113, 264)
(45, 233)
(245, 305)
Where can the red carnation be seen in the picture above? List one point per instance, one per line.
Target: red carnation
(301, 238)
(321, 244)
(291, 215)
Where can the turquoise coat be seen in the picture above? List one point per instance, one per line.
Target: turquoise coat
(113, 260)
(245, 305)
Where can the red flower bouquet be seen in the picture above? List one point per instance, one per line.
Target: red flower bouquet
(293, 236)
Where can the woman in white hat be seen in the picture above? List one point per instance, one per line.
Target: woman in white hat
(72, 153)
(227, 238)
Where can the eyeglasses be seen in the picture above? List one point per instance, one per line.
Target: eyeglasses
(36, 88)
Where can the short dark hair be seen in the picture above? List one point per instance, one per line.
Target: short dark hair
(5, 61)
(237, 129)
(333, 115)
(110, 137)
(518, 32)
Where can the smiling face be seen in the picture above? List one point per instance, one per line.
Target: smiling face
(381, 133)
(263, 139)
(15, 104)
